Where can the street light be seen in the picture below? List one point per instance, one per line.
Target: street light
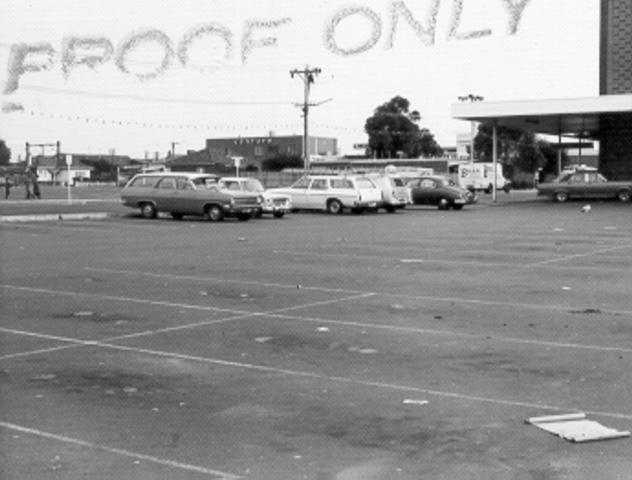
(471, 98)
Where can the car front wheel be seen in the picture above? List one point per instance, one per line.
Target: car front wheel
(444, 204)
(215, 213)
(623, 196)
(278, 214)
(561, 196)
(147, 210)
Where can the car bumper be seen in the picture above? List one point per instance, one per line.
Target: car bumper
(276, 208)
(236, 210)
(368, 204)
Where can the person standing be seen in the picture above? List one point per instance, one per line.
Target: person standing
(36, 189)
(28, 184)
(7, 187)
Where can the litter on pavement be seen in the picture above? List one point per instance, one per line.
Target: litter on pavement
(412, 401)
(576, 428)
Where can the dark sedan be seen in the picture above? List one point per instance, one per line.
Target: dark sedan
(585, 184)
(440, 191)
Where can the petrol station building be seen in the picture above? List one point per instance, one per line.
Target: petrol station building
(606, 118)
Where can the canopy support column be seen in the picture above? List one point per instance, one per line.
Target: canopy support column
(494, 158)
(559, 154)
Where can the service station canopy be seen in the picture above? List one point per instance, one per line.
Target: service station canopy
(576, 117)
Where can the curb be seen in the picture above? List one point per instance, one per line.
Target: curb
(47, 217)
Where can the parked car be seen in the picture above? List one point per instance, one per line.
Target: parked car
(333, 193)
(440, 191)
(181, 194)
(585, 184)
(395, 193)
(277, 204)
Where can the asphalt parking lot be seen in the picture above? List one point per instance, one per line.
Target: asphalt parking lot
(378, 346)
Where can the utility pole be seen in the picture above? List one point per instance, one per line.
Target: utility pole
(173, 149)
(307, 75)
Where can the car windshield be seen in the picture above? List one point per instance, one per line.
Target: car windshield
(253, 185)
(564, 177)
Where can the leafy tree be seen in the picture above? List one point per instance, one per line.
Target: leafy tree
(279, 162)
(103, 170)
(507, 142)
(393, 128)
(5, 153)
(520, 149)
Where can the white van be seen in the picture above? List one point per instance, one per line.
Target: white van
(479, 176)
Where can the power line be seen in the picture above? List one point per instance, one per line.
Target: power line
(121, 96)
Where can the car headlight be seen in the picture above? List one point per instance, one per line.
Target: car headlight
(259, 199)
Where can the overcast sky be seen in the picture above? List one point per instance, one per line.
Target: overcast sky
(135, 76)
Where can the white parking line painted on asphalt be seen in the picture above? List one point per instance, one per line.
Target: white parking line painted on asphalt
(474, 301)
(579, 255)
(223, 280)
(239, 315)
(452, 261)
(121, 452)
(278, 313)
(364, 383)
(382, 385)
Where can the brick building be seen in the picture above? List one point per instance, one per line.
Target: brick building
(254, 150)
(219, 154)
(616, 79)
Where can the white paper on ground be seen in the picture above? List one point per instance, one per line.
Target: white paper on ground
(575, 428)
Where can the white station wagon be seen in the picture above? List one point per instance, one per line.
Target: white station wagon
(333, 193)
(273, 203)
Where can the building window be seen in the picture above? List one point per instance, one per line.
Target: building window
(258, 151)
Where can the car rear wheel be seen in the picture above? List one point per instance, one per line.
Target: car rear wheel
(214, 213)
(444, 204)
(623, 196)
(278, 214)
(147, 210)
(334, 207)
(176, 216)
(561, 196)
(457, 207)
